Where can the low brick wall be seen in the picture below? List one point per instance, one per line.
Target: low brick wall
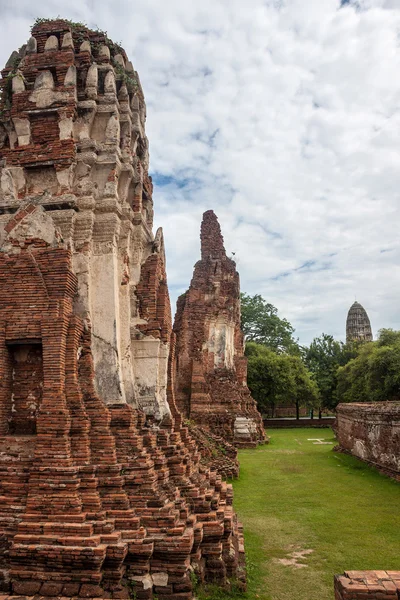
(371, 585)
(294, 423)
(371, 432)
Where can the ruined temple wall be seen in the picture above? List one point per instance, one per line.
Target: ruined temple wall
(371, 432)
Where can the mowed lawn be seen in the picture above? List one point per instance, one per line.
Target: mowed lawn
(294, 497)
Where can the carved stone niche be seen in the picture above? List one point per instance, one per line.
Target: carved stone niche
(41, 179)
(26, 385)
(124, 180)
(98, 130)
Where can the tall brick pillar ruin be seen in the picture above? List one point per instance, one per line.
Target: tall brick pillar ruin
(211, 369)
(102, 493)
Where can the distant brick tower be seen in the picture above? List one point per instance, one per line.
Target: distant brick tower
(358, 326)
(101, 489)
(211, 369)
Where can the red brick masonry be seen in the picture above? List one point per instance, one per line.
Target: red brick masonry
(368, 585)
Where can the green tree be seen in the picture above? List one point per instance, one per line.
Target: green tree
(323, 358)
(278, 378)
(388, 337)
(374, 374)
(261, 324)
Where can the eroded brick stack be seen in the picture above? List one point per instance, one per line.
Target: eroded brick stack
(210, 367)
(102, 488)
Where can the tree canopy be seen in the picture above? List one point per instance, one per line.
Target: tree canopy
(276, 378)
(261, 324)
(323, 374)
(374, 374)
(323, 358)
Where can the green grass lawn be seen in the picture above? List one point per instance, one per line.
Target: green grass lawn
(293, 496)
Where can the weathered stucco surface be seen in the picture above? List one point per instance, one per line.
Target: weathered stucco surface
(371, 432)
(106, 494)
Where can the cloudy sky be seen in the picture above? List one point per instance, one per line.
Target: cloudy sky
(284, 117)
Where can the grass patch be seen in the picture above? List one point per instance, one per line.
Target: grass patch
(292, 497)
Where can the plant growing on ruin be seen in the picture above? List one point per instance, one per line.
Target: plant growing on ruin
(129, 80)
(6, 87)
(132, 589)
(73, 24)
(194, 580)
(77, 26)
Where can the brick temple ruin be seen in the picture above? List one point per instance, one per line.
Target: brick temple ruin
(102, 489)
(211, 369)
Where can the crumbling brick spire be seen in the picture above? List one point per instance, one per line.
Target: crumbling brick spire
(211, 369)
(212, 241)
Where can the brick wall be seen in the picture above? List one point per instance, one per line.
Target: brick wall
(371, 432)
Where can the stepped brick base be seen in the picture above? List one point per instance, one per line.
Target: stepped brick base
(216, 453)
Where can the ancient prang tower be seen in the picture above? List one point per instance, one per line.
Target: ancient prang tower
(358, 326)
(102, 493)
(210, 368)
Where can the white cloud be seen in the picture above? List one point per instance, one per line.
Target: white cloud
(282, 116)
